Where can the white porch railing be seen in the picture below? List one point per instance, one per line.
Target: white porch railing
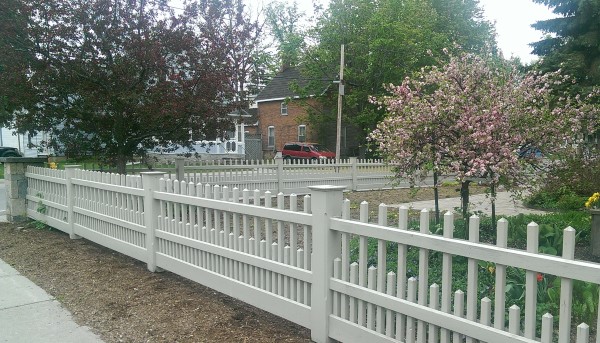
(306, 260)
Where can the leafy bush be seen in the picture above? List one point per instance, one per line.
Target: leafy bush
(564, 199)
(552, 222)
(569, 184)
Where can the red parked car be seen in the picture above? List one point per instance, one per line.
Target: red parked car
(307, 151)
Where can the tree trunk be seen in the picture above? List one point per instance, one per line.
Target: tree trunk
(464, 196)
(121, 165)
(493, 191)
(436, 197)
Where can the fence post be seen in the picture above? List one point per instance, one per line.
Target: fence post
(69, 174)
(16, 185)
(150, 183)
(354, 162)
(326, 246)
(279, 162)
(179, 168)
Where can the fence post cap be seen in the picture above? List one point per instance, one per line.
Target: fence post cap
(326, 188)
(151, 173)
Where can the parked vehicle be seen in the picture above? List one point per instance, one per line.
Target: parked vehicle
(307, 151)
(9, 152)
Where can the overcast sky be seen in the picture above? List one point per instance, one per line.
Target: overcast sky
(513, 19)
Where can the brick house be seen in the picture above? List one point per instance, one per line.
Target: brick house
(283, 113)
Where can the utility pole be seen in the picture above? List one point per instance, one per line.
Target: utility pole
(339, 113)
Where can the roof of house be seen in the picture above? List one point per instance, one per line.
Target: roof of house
(249, 116)
(279, 87)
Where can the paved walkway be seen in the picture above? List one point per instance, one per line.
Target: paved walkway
(479, 202)
(30, 315)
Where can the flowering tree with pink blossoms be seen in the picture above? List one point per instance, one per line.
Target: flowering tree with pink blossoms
(474, 118)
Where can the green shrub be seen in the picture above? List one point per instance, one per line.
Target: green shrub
(563, 199)
(568, 184)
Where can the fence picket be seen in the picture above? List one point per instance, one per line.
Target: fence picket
(337, 273)
(547, 328)
(434, 299)
(345, 259)
(362, 263)
(280, 229)
(566, 289)
(472, 277)
(447, 275)
(372, 285)
(533, 232)
(500, 284)
(514, 320)
(486, 311)
(459, 311)
(423, 274)
(401, 272)
(257, 235)
(353, 301)
(411, 327)
(389, 316)
(381, 266)
(583, 333)
(300, 285)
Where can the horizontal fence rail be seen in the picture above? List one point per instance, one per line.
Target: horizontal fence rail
(305, 259)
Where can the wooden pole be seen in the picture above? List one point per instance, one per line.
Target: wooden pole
(339, 113)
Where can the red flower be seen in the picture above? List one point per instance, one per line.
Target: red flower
(540, 277)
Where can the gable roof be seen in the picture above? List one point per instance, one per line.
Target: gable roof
(249, 116)
(279, 87)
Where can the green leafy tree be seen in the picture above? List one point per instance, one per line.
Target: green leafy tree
(15, 56)
(385, 41)
(115, 78)
(284, 22)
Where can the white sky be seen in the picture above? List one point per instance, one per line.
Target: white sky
(513, 19)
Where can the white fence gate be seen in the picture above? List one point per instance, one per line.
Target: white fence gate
(305, 259)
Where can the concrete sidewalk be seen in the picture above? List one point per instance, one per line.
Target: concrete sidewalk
(505, 205)
(28, 314)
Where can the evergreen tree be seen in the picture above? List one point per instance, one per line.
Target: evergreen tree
(572, 42)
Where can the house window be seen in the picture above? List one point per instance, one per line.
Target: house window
(284, 109)
(271, 135)
(301, 133)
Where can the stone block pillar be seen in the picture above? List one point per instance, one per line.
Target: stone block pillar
(16, 185)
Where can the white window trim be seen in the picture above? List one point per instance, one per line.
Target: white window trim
(269, 136)
(299, 128)
(283, 107)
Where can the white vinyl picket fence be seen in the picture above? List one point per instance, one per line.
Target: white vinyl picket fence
(305, 260)
(286, 176)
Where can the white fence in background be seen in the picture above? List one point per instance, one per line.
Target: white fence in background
(287, 176)
(305, 259)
